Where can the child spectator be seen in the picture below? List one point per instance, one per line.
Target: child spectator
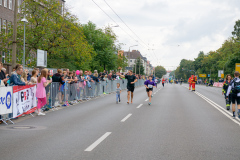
(41, 92)
(34, 77)
(118, 92)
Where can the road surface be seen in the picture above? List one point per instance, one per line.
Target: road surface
(179, 124)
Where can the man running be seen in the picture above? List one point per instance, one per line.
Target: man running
(130, 85)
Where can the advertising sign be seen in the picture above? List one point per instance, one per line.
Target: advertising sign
(6, 100)
(24, 100)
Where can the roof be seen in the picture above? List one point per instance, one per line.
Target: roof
(133, 55)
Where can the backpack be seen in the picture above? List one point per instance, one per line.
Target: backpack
(236, 88)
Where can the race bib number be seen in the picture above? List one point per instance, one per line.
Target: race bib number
(150, 86)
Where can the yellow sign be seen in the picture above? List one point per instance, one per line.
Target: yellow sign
(237, 68)
(202, 75)
(222, 75)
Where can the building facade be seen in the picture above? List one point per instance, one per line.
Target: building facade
(6, 22)
(132, 58)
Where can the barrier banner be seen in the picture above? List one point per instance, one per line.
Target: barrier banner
(24, 100)
(6, 100)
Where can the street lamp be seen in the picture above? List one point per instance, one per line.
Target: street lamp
(24, 20)
(129, 52)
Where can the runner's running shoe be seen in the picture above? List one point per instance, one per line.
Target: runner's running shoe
(149, 104)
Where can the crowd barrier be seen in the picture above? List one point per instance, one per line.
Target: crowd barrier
(16, 101)
(58, 94)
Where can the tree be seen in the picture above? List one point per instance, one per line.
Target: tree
(122, 62)
(160, 71)
(236, 32)
(137, 64)
(103, 42)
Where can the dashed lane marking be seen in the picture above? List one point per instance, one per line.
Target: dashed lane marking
(124, 119)
(96, 143)
(139, 106)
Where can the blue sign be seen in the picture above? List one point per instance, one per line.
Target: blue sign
(7, 100)
(208, 75)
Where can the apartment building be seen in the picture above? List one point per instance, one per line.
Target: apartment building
(6, 21)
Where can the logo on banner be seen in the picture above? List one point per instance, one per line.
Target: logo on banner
(6, 100)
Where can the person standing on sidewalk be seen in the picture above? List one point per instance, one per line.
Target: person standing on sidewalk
(224, 91)
(41, 92)
(149, 84)
(130, 85)
(234, 87)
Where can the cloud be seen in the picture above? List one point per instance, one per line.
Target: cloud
(163, 25)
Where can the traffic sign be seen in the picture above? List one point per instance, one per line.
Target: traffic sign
(202, 75)
(208, 75)
(237, 67)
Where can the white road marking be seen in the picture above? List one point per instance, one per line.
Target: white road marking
(96, 143)
(124, 119)
(219, 108)
(140, 106)
(146, 100)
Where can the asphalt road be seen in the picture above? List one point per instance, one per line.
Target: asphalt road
(179, 125)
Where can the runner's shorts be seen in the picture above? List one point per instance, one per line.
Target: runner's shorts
(149, 89)
(235, 98)
(131, 89)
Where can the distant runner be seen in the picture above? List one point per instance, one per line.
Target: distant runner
(163, 81)
(149, 84)
(130, 85)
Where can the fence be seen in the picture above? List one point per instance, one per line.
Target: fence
(16, 101)
(58, 94)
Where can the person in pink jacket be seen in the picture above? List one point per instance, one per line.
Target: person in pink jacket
(41, 92)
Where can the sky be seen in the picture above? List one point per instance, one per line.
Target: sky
(165, 31)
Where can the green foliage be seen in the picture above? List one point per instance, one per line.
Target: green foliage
(68, 43)
(138, 64)
(105, 57)
(160, 71)
(122, 62)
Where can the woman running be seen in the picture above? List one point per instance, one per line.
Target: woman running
(149, 84)
(224, 91)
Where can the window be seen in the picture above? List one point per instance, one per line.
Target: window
(130, 60)
(3, 57)
(10, 4)
(5, 3)
(19, 4)
(9, 26)
(4, 25)
(0, 2)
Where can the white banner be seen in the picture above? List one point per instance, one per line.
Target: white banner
(24, 100)
(6, 100)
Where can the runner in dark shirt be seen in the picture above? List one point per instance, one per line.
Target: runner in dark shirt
(130, 85)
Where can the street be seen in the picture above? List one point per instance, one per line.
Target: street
(179, 124)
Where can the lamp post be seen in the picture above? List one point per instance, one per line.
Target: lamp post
(24, 20)
(129, 52)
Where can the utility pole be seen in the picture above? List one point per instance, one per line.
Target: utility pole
(139, 64)
(14, 49)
